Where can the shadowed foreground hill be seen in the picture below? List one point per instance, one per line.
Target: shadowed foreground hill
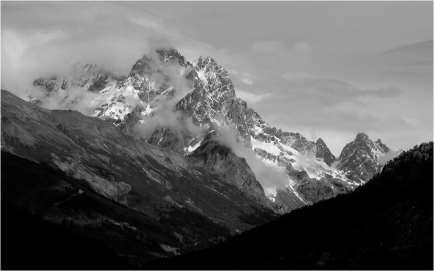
(384, 224)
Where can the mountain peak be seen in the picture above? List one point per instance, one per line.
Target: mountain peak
(322, 151)
(210, 65)
(170, 55)
(150, 62)
(142, 65)
(320, 141)
(382, 146)
(215, 79)
(205, 61)
(363, 158)
(362, 137)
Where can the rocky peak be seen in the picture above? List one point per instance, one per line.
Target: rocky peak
(320, 142)
(142, 66)
(362, 142)
(382, 146)
(213, 89)
(361, 137)
(152, 62)
(89, 76)
(208, 63)
(171, 55)
(362, 158)
(244, 118)
(322, 151)
(215, 77)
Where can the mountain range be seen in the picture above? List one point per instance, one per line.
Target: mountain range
(162, 161)
(176, 104)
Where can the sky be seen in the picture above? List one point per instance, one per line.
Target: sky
(324, 69)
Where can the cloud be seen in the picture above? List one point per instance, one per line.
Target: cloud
(271, 178)
(268, 47)
(48, 41)
(332, 91)
(411, 121)
(297, 76)
(279, 48)
(247, 81)
(17, 67)
(250, 97)
(244, 77)
(163, 113)
(301, 47)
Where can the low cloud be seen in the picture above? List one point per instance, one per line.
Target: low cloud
(247, 81)
(78, 99)
(250, 97)
(271, 178)
(163, 113)
(49, 40)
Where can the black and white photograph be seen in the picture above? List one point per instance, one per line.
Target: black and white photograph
(216, 135)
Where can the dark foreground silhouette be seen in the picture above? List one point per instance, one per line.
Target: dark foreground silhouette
(386, 224)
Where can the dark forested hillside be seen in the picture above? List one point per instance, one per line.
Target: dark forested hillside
(53, 221)
(386, 224)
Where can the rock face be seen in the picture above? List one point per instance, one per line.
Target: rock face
(361, 159)
(176, 103)
(322, 151)
(89, 76)
(222, 161)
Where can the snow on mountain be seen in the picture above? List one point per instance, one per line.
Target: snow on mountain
(164, 82)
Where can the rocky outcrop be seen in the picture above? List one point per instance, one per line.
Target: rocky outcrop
(222, 161)
(322, 151)
(361, 158)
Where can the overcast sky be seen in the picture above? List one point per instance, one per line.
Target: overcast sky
(325, 69)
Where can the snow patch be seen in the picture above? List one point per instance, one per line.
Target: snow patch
(192, 148)
(201, 74)
(266, 146)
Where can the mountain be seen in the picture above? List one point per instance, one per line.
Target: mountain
(385, 224)
(54, 160)
(168, 158)
(177, 103)
(322, 151)
(362, 158)
(221, 160)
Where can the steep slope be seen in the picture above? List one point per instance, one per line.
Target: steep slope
(52, 220)
(222, 160)
(385, 224)
(177, 103)
(322, 151)
(362, 158)
(126, 169)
